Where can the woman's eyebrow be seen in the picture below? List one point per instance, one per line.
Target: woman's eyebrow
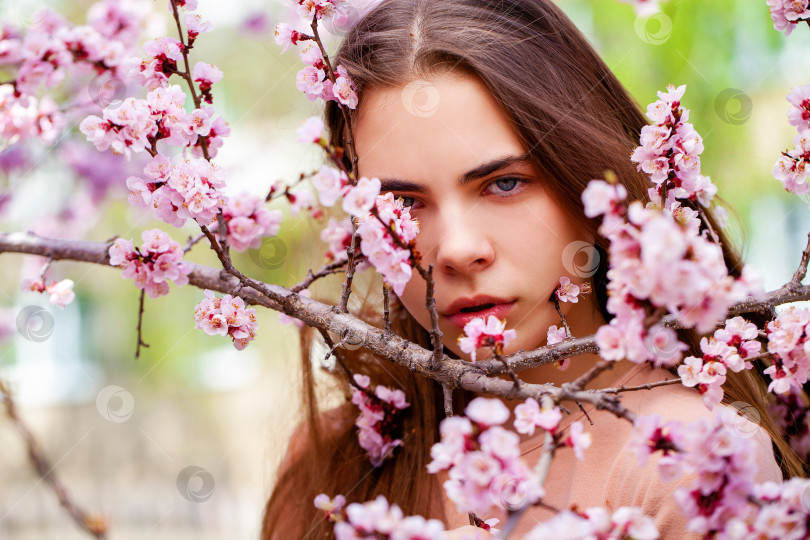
(394, 184)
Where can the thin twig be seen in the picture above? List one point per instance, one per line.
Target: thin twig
(91, 524)
(562, 317)
(448, 400)
(192, 240)
(707, 223)
(435, 332)
(665, 382)
(331, 268)
(347, 281)
(140, 342)
(386, 309)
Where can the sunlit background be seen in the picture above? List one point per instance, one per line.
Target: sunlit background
(184, 441)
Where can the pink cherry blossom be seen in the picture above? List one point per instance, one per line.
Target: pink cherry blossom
(249, 221)
(329, 182)
(159, 260)
(286, 36)
(787, 13)
(478, 333)
(360, 198)
(195, 25)
(578, 439)
(344, 89)
(555, 335)
(377, 519)
(484, 465)
(567, 291)
(529, 415)
(379, 419)
(788, 343)
(226, 316)
(311, 130)
(61, 293)
(206, 75)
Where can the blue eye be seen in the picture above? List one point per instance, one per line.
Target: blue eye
(507, 183)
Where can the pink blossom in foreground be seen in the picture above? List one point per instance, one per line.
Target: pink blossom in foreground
(195, 25)
(311, 130)
(799, 113)
(286, 36)
(376, 240)
(483, 461)
(378, 424)
(359, 199)
(657, 259)
(226, 316)
(61, 293)
(567, 291)
(555, 335)
(788, 343)
(344, 89)
(625, 523)
(332, 508)
(786, 14)
(376, 519)
(492, 333)
(578, 439)
(338, 234)
(529, 415)
(330, 184)
(206, 75)
(249, 221)
(159, 260)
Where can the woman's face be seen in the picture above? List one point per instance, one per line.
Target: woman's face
(486, 230)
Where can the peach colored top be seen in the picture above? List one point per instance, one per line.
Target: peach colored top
(610, 474)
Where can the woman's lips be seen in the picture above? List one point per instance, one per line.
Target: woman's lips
(499, 311)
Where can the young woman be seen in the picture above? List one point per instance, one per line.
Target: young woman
(489, 119)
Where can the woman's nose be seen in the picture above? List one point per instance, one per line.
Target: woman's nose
(463, 246)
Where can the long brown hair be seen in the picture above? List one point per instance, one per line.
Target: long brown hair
(576, 121)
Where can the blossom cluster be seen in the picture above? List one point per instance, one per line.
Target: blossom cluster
(338, 234)
(376, 519)
(791, 167)
(657, 258)
(379, 420)
(670, 152)
(626, 523)
(376, 240)
(249, 221)
(226, 316)
(314, 80)
(789, 344)
(136, 125)
(483, 459)
(490, 333)
(568, 292)
(158, 260)
(786, 14)
(725, 351)
(53, 50)
(185, 189)
(61, 293)
(722, 501)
